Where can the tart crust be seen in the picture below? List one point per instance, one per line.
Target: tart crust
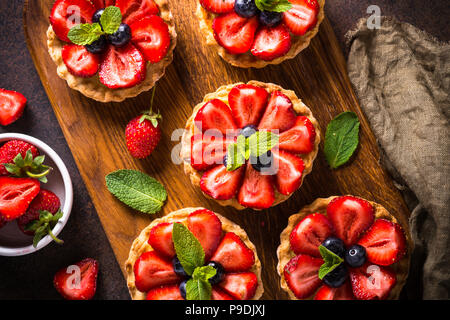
(140, 245)
(247, 60)
(284, 253)
(93, 88)
(222, 94)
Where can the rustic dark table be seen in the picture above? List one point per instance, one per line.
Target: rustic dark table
(30, 277)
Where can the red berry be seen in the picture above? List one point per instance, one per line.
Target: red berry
(302, 17)
(12, 104)
(220, 184)
(300, 138)
(142, 137)
(16, 195)
(233, 254)
(271, 43)
(135, 10)
(79, 61)
(218, 6)
(11, 149)
(301, 274)
(279, 114)
(207, 228)
(247, 103)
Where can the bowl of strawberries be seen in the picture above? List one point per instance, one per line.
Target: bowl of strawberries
(36, 195)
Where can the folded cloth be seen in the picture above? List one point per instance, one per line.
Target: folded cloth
(401, 76)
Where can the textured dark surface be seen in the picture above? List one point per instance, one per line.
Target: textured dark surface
(31, 276)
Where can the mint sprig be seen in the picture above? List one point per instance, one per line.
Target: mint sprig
(43, 226)
(29, 167)
(331, 261)
(273, 5)
(111, 19)
(198, 287)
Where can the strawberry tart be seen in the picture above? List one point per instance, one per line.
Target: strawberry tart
(240, 116)
(162, 263)
(343, 248)
(110, 50)
(255, 33)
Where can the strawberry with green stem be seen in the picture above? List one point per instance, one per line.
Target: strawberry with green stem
(43, 226)
(29, 166)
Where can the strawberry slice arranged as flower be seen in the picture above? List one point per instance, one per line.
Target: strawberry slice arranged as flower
(233, 254)
(302, 17)
(271, 43)
(257, 189)
(301, 274)
(169, 292)
(207, 228)
(221, 184)
(218, 6)
(344, 292)
(290, 171)
(12, 104)
(215, 115)
(16, 195)
(101, 4)
(160, 239)
(79, 61)
(247, 103)
(300, 138)
(134, 10)
(208, 150)
(279, 113)
(241, 286)
(219, 294)
(372, 282)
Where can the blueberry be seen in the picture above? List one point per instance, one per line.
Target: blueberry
(335, 245)
(220, 272)
(121, 37)
(247, 131)
(263, 163)
(182, 288)
(225, 158)
(270, 18)
(98, 46)
(178, 268)
(355, 256)
(246, 8)
(97, 15)
(337, 277)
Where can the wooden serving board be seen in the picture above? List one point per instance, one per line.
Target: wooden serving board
(95, 133)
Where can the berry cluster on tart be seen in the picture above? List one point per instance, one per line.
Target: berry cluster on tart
(372, 249)
(154, 270)
(245, 36)
(116, 65)
(243, 110)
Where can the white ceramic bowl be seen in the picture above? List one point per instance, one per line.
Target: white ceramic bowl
(12, 241)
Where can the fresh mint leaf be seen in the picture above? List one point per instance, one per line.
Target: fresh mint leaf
(198, 290)
(137, 190)
(111, 19)
(341, 138)
(84, 34)
(204, 273)
(188, 249)
(236, 153)
(261, 142)
(273, 5)
(331, 261)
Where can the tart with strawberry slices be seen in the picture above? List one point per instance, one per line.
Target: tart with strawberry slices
(155, 270)
(369, 250)
(245, 36)
(115, 61)
(239, 112)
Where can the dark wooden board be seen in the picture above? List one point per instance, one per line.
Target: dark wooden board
(95, 133)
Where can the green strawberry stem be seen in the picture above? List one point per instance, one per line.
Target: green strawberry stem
(57, 240)
(150, 115)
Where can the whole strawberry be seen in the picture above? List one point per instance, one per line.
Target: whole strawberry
(11, 149)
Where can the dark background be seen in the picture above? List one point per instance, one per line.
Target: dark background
(30, 277)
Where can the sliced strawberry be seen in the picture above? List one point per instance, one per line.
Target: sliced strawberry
(216, 116)
(68, 13)
(256, 190)
(233, 254)
(309, 234)
(350, 217)
(290, 171)
(218, 294)
(302, 17)
(169, 292)
(385, 242)
(241, 286)
(207, 228)
(101, 4)
(372, 282)
(11, 149)
(279, 114)
(300, 138)
(79, 61)
(65, 282)
(151, 270)
(160, 239)
(12, 104)
(134, 10)
(247, 103)
(122, 67)
(218, 6)
(344, 292)
(220, 184)
(271, 43)
(301, 274)
(16, 195)
(235, 33)
(151, 36)
(208, 150)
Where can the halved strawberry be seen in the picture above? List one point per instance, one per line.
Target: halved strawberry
(11, 149)
(12, 104)
(344, 292)
(302, 17)
(385, 242)
(247, 103)
(220, 184)
(134, 10)
(68, 13)
(100, 4)
(151, 270)
(309, 234)
(233, 254)
(372, 282)
(350, 216)
(218, 6)
(256, 190)
(301, 274)
(207, 228)
(271, 43)
(122, 67)
(219, 294)
(215, 115)
(290, 171)
(16, 195)
(169, 292)
(151, 36)
(65, 282)
(79, 61)
(241, 286)
(160, 238)
(279, 114)
(300, 138)
(208, 150)
(235, 33)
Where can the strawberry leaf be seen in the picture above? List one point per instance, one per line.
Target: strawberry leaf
(29, 167)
